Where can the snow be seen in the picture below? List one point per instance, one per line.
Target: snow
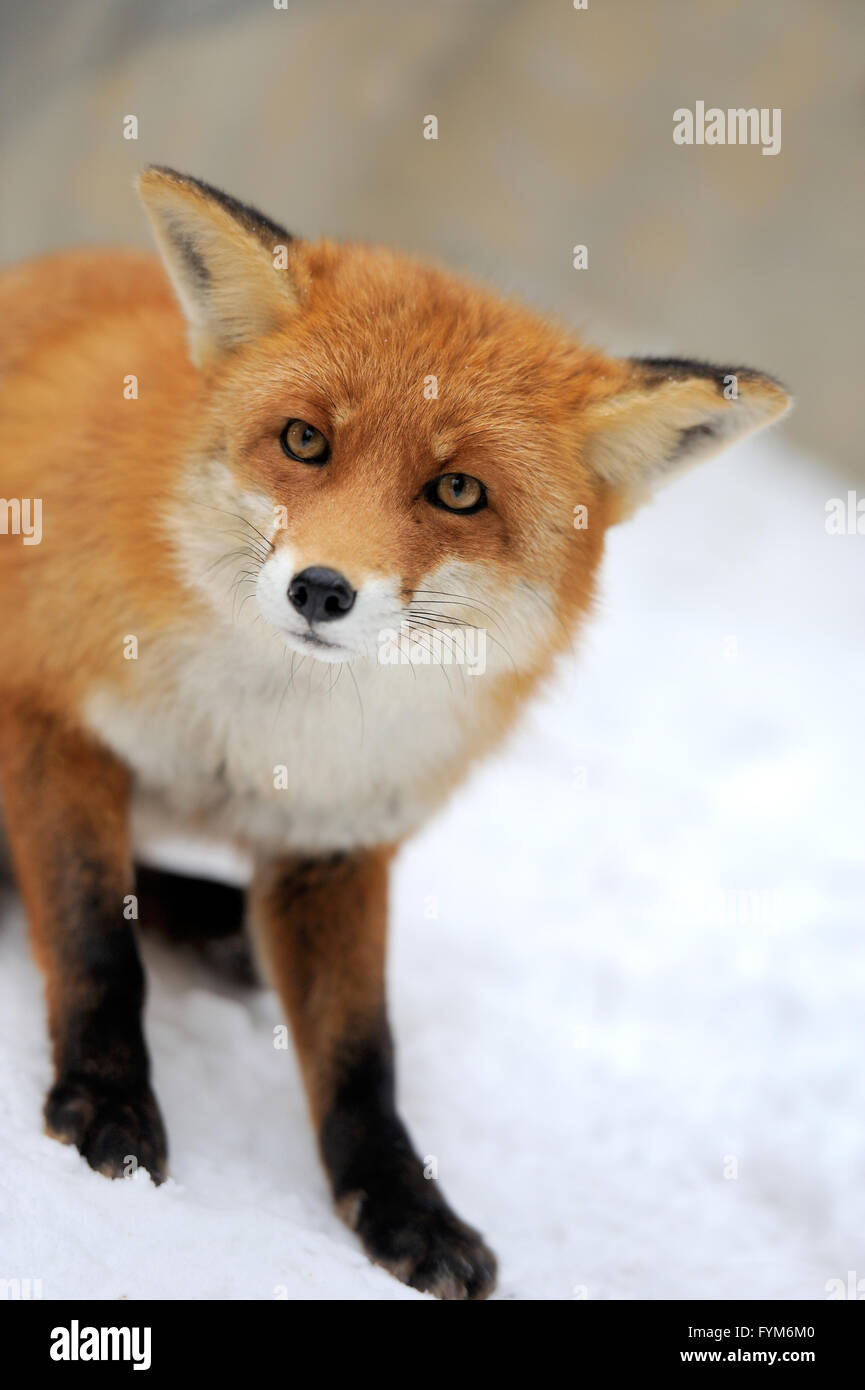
(626, 962)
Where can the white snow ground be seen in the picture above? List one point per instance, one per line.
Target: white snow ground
(645, 969)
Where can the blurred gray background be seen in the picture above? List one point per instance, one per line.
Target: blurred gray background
(555, 128)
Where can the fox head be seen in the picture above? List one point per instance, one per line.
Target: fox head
(389, 448)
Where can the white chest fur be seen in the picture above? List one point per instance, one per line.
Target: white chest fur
(288, 753)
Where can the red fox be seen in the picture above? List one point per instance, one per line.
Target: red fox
(267, 486)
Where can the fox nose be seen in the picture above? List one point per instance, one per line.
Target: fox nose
(320, 595)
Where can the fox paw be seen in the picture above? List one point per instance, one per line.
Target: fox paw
(116, 1131)
(427, 1247)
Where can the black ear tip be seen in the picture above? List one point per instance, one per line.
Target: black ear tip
(170, 173)
(256, 222)
(657, 369)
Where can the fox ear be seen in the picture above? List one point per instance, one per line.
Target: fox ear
(222, 259)
(667, 414)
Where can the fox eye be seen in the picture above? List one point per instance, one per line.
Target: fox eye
(456, 492)
(304, 442)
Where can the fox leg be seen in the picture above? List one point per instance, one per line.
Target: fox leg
(200, 913)
(65, 807)
(322, 929)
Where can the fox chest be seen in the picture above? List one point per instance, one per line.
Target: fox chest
(317, 758)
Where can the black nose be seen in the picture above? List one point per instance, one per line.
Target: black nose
(321, 594)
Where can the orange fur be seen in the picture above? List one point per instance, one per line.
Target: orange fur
(107, 468)
(159, 511)
(519, 403)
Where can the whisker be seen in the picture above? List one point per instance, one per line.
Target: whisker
(462, 601)
(229, 555)
(495, 641)
(236, 516)
(427, 628)
(360, 702)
